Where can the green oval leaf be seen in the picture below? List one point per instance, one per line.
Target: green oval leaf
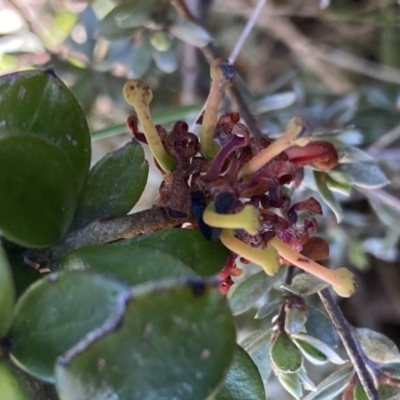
(186, 245)
(38, 103)
(11, 387)
(295, 319)
(167, 60)
(133, 264)
(7, 293)
(55, 313)
(285, 355)
(305, 285)
(268, 308)
(190, 32)
(115, 184)
(38, 192)
(141, 57)
(320, 326)
(172, 340)
(243, 380)
(311, 353)
(364, 174)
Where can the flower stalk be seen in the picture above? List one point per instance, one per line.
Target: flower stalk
(138, 94)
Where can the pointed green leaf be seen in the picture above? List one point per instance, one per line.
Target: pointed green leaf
(246, 294)
(295, 320)
(320, 326)
(351, 155)
(268, 308)
(38, 193)
(322, 347)
(365, 174)
(172, 339)
(190, 32)
(292, 383)
(332, 386)
(114, 185)
(11, 387)
(186, 245)
(311, 353)
(343, 188)
(38, 103)
(55, 313)
(305, 285)
(243, 380)
(285, 355)
(166, 60)
(327, 196)
(133, 264)
(377, 347)
(7, 293)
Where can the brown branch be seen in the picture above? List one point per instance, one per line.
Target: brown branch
(101, 232)
(232, 92)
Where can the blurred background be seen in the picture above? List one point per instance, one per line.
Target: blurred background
(335, 63)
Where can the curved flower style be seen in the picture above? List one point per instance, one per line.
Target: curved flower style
(232, 184)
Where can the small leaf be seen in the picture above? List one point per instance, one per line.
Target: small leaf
(248, 292)
(243, 380)
(38, 192)
(351, 155)
(311, 353)
(38, 103)
(273, 102)
(332, 386)
(306, 284)
(114, 185)
(10, 385)
(327, 196)
(161, 41)
(285, 355)
(320, 326)
(190, 32)
(141, 58)
(292, 383)
(173, 339)
(268, 308)
(343, 188)
(186, 245)
(377, 347)
(364, 174)
(391, 369)
(133, 264)
(307, 383)
(320, 346)
(359, 393)
(166, 60)
(7, 293)
(295, 320)
(55, 313)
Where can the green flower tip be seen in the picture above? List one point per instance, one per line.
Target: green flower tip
(247, 219)
(138, 94)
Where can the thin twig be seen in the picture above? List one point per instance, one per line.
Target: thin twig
(102, 232)
(351, 344)
(232, 92)
(246, 31)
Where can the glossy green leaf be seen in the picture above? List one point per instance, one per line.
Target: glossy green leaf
(377, 347)
(327, 196)
(11, 387)
(332, 386)
(114, 185)
(38, 103)
(268, 308)
(186, 245)
(292, 383)
(322, 347)
(311, 353)
(243, 380)
(295, 319)
(320, 326)
(359, 393)
(7, 293)
(305, 285)
(173, 339)
(285, 355)
(38, 193)
(133, 264)
(55, 313)
(141, 57)
(246, 294)
(190, 32)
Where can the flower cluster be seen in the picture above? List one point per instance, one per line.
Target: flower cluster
(232, 183)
